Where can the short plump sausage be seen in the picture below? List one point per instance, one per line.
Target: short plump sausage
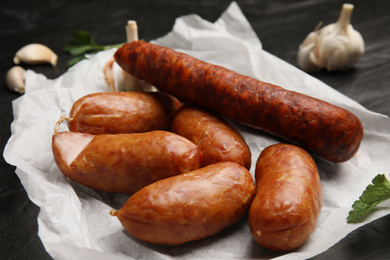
(123, 163)
(288, 198)
(217, 139)
(122, 112)
(189, 206)
(330, 131)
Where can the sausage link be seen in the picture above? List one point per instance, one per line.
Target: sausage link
(217, 139)
(189, 206)
(288, 199)
(122, 112)
(123, 163)
(330, 131)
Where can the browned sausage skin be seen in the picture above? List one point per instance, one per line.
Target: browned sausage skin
(288, 198)
(217, 139)
(330, 131)
(189, 206)
(122, 112)
(123, 163)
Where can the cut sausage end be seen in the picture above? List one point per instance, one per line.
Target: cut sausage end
(68, 145)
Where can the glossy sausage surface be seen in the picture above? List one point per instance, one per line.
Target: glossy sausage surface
(330, 131)
(189, 206)
(288, 199)
(123, 163)
(217, 139)
(122, 112)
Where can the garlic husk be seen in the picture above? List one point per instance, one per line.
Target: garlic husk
(15, 79)
(35, 53)
(335, 47)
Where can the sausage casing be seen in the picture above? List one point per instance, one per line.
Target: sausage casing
(189, 206)
(217, 139)
(288, 198)
(122, 112)
(330, 131)
(123, 163)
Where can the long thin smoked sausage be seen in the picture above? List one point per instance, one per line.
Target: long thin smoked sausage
(330, 131)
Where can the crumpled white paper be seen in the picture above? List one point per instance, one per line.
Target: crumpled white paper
(74, 221)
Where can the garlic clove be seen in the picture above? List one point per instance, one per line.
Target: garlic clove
(304, 59)
(356, 46)
(336, 53)
(15, 79)
(35, 53)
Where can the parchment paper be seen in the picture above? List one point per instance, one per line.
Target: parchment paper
(74, 221)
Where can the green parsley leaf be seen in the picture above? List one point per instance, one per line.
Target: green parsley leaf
(374, 194)
(83, 37)
(83, 43)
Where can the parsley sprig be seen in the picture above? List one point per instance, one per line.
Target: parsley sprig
(375, 193)
(83, 43)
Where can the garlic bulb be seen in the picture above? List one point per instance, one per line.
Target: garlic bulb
(125, 81)
(335, 47)
(14, 79)
(35, 53)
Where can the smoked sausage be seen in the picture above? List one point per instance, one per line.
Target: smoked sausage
(217, 139)
(123, 163)
(288, 199)
(190, 206)
(330, 131)
(122, 112)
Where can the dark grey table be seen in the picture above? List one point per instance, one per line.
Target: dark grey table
(281, 26)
